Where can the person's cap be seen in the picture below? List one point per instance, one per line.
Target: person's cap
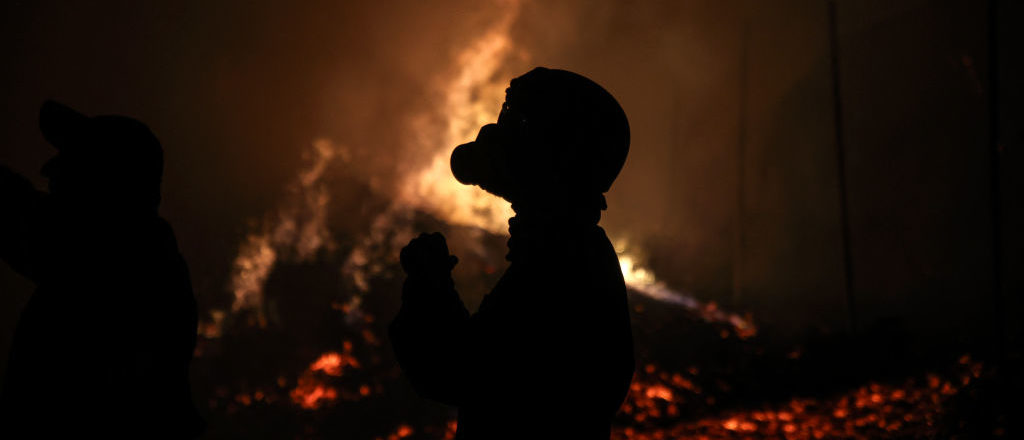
(580, 115)
(109, 135)
(115, 148)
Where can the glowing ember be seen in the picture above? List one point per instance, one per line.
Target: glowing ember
(329, 363)
(312, 390)
(402, 431)
(683, 401)
(909, 410)
(450, 429)
(311, 394)
(332, 363)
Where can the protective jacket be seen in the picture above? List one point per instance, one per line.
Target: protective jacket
(549, 352)
(103, 346)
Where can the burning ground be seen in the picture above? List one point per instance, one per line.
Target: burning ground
(307, 142)
(298, 349)
(322, 368)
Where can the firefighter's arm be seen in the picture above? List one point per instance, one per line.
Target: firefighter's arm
(430, 334)
(18, 199)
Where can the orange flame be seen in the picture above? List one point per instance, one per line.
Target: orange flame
(298, 231)
(310, 394)
(472, 97)
(312, 391)
(872, 411)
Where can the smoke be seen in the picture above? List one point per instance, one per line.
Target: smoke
(244, 86)
(294, 233)
(468, 95)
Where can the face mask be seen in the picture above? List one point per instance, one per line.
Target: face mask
(484, 162)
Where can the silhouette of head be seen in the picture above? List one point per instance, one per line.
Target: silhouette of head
(107, 161)
(560, 142)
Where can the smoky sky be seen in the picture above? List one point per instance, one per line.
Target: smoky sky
(236, 91)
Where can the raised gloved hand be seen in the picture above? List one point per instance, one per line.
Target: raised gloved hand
(427, 257)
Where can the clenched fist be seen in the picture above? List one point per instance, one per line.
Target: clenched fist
(427, 256)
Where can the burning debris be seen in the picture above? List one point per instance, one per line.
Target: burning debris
(311, 391)
(402, 431)
(299, 382)
(913, 409)
(706, 397)
(296, 233)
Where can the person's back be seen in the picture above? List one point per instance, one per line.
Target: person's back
(558, 339)
(549, 352)
(103, 346)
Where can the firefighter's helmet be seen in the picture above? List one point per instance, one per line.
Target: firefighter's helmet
(552, 122)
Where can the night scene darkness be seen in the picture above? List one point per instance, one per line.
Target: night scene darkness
(818, 224)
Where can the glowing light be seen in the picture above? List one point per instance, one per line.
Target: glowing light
(310, 394)
(643, 281)
(312, 390)
(296, 231)
(333, 362)
(472, 97)
(871, 411)
(401, 432)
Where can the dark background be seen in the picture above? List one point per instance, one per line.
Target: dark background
(237, 90)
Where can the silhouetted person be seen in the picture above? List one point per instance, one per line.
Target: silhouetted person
(549, 353)
(103, 346)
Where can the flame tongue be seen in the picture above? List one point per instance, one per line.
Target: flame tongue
(472, 96)
(296, 232)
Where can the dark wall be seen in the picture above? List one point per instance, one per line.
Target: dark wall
(915, 90)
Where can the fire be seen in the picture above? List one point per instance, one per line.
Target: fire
(673, 403)
(642, 280)
(297, 231)
(329, 363)
(310, 394)
(472, 96)
(875, 410)
(403, 431)
(332, 363)
(313, 391)
(472, 99)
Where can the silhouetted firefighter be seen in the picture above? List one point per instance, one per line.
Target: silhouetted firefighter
(103, 346)
(549, 353)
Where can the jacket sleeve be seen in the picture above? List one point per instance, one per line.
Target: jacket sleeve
(431, 336)
(19, 201)
(150, 366)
